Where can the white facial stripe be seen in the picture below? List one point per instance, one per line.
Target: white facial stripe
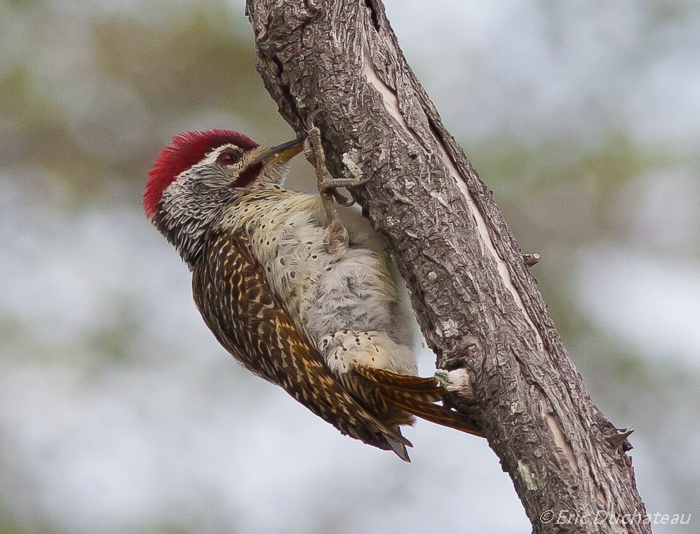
(214, 154)
(209, 159)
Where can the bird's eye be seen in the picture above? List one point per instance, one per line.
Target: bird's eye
(227, 158)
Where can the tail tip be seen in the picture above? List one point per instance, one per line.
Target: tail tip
(399, 449)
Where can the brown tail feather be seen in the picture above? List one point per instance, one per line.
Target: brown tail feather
(399, 449)
(406, 383)
(416, 396)
(431, 412)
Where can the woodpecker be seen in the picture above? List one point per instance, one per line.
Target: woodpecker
(297, 290)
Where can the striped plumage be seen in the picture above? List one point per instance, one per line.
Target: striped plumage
(320, 323)
(249, 321)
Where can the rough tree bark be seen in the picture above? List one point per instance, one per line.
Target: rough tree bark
(477, 304)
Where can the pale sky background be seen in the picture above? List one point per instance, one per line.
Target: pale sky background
(119, 413)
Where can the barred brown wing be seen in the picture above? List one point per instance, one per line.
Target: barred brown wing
(241, 310)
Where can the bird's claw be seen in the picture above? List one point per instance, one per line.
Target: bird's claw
(310, 119)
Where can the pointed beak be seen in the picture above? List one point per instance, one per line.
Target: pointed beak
(281, 153)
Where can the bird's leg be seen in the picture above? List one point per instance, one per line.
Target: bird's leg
(337, 239)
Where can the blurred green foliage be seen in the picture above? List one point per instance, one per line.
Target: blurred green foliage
(190, 59)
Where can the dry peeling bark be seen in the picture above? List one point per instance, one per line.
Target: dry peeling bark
(477, 304)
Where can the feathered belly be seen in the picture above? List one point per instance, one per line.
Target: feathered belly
(346, 305)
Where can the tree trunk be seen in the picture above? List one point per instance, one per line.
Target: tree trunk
(478, 306)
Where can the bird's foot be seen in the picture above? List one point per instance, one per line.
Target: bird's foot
(325, 183)
(336, 238)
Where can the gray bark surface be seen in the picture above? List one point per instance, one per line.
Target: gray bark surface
(476, 302)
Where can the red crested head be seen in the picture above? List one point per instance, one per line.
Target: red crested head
(186, 150)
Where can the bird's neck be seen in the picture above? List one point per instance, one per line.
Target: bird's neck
(187, 216)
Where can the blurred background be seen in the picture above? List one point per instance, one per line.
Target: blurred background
(119, 413)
